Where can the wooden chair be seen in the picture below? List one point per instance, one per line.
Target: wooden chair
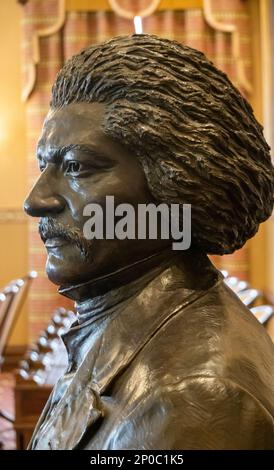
(15, 294)
(252, 298)
(235, 284)
(11, 301)
(249, 297)
(263, 313)
(43, 364)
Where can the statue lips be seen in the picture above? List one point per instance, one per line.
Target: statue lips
(55, 242)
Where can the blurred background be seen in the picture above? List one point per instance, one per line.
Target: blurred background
(36, 38)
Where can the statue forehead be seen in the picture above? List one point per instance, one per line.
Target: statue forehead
(73, 123)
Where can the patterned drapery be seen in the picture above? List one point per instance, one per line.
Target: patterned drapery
(81, 29)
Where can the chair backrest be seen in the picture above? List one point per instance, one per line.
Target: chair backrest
(46, 359)
(235, 284)
(5, 300)
(13, 298)
(249, 296)
(263, 313)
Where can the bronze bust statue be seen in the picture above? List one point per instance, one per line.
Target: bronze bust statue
(163, 355)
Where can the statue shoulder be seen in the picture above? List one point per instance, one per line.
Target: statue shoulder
(199, 412)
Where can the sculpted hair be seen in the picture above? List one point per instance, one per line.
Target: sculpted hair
(193, 132)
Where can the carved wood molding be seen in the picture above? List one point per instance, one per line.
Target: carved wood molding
(66, 5)
(104, 5)
(235, 38)
(40, 33)
(124, 13)
(97, 5)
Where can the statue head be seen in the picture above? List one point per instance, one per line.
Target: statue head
(147, 119)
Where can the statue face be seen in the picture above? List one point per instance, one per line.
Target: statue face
(70, 179)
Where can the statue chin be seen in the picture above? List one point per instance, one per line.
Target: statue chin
(66, 266)
(60, 272)
(68, 272)
(60, 277)
(54, 274)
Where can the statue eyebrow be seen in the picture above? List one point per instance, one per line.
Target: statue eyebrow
(58, 154)
(62, 151)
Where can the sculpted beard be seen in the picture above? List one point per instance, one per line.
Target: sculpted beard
(50, 228)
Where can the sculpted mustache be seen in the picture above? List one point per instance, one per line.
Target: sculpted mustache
(50, 228)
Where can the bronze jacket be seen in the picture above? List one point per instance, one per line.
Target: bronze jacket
(176, 363)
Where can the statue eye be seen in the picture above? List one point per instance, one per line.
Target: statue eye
(73, 167)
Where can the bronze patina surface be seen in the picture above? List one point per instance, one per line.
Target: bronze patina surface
(163, 354)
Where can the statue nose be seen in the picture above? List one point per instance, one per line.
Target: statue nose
(44, 198)
(36, 206)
